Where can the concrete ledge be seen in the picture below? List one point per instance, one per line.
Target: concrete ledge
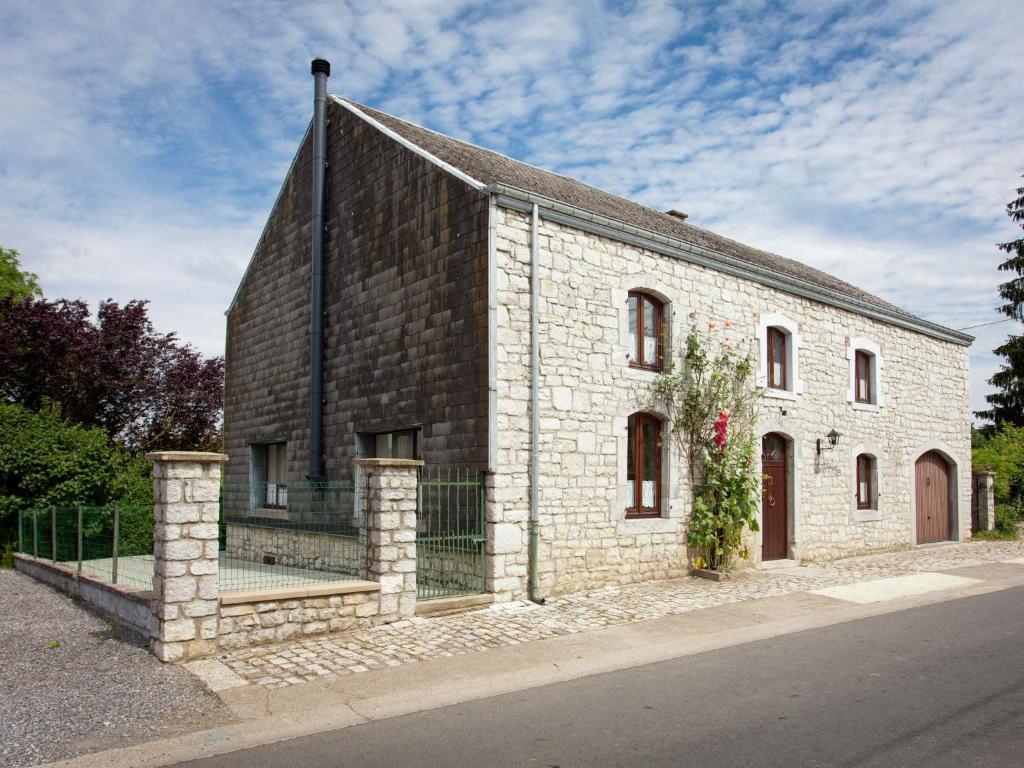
(320, 589)
(443, 605)
(131, 605)
(190, 456)
(371, 463)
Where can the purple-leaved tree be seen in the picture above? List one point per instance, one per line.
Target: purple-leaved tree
(145, 389)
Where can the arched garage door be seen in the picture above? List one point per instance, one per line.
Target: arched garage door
(931, 475)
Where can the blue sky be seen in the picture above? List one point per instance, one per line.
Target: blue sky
(141, 145)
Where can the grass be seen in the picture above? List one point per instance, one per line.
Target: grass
(997, 534)
(7, 555)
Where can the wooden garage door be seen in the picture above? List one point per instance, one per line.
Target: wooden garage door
(932, 493)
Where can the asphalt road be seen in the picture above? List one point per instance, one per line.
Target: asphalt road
(936, 686)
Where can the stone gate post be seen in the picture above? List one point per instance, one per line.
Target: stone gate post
(983, 500)
(186, 595)
(391, 500)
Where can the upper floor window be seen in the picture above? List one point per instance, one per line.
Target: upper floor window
(863, 377)
(865, 387)
(270, 475)
(867, 490)
(646, 331)
(778, 354)
(643, 465)
(778, 365)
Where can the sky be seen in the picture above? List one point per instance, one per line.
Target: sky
(142, 144)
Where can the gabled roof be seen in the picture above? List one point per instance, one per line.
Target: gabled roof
(486, 168)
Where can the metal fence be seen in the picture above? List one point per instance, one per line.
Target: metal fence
(277, 535)
(113, 543)
(450, 534)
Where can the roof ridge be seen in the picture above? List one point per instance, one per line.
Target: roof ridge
(623, 198)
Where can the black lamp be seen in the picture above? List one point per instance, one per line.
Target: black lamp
(832, 437)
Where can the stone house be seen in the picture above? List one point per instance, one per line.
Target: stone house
(484, 313)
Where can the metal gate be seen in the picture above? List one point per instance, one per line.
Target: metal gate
(450, 533)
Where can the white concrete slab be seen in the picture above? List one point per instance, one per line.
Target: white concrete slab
(216, 675)
(880, 590)
(1014, 561)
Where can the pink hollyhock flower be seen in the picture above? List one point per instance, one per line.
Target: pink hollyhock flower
(721, 429)
(727, 324)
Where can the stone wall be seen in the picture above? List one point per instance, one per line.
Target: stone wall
(245, 621)
(587, 391)
(983, 501)
(405, 304)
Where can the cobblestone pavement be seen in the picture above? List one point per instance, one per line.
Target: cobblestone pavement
(422, 639)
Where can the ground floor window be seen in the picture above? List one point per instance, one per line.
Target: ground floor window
(396, 444)
(643, 466)
(867, 483)
(270, 475)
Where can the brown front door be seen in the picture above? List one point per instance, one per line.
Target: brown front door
(931, 475)
(774, 498)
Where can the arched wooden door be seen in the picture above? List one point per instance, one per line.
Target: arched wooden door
(931, 478)
(774, 498)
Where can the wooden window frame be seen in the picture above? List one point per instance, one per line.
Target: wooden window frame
(637, 353)
(862, 357)
(865, 464)
(771, 334)
(636, 508)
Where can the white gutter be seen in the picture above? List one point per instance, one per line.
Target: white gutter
(534, 541)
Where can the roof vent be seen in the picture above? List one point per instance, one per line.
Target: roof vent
(677, 214)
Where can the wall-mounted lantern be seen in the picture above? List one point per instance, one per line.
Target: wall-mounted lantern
(832, 437)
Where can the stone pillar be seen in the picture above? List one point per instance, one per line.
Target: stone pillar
(983, 500)
(507, 523)
(186, 596)
(391, 494)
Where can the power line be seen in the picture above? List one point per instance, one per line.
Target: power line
(994, 322)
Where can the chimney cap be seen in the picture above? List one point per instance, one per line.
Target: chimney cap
(320, 66)
(677, 214)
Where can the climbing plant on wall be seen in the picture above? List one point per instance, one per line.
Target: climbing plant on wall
(710, 400)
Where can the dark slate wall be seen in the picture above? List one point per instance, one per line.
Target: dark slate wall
(406, 302)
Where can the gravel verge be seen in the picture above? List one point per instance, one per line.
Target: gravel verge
(72, 681)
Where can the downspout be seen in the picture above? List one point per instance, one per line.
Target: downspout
(534, 406)
(321, 70)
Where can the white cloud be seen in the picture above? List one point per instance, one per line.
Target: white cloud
(143, 145)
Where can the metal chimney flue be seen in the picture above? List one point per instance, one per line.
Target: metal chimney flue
(321, 70)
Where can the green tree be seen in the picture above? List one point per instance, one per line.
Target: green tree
(1006, 404)
(45, 461)
(14, 281)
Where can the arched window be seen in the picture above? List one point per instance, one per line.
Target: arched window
(867, 482)
(646, 331)
(643, 466)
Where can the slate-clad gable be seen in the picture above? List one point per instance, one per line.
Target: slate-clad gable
(405, 300)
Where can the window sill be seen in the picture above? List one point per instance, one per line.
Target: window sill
(779, 394)
(273, 513)
(867, 515)
(865, 407)
(640, 525)
(640, 374)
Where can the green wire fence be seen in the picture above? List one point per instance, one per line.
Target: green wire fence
(113, 542)
(282, 535)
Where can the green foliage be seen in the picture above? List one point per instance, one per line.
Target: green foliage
(45, 461)
(1006, 403)
(711, 403)
(13, 280)
(1003, 453)
(1007, 525)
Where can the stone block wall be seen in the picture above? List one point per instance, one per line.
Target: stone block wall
(588, 391)
(245, 623)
